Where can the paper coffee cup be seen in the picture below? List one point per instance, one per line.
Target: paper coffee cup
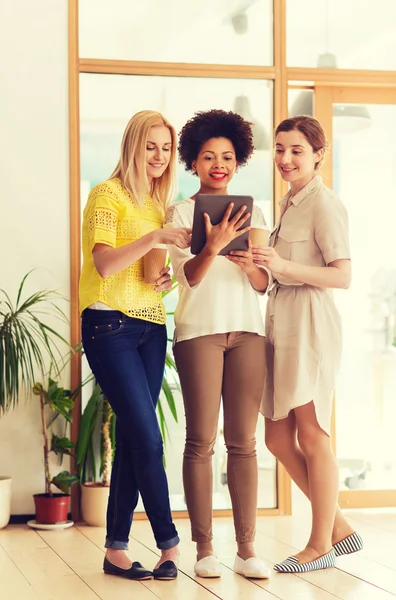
(259, 236)
(153, 263)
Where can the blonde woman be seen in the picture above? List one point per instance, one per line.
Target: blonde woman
(124, 334)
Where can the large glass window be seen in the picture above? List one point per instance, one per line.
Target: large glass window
(106, 104)
(320, 33)
(225, 32)
(364, 175)
(347, 35)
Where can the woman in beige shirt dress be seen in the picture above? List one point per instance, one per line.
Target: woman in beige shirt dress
(308, 255)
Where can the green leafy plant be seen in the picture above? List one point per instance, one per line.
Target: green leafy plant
(170, 379)
(27, 345)
(61, 402)
(27, 342)
(97, 411)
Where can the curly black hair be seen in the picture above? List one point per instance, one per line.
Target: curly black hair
(206, 125)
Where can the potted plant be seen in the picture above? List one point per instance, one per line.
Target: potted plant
(52, 507)
(96, 437)
(26, 344)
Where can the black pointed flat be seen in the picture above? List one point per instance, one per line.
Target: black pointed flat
(167, 570)
(136, 571)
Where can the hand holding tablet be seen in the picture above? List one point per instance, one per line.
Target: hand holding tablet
(222, 222)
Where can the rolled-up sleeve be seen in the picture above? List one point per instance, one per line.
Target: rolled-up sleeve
(178, 256)
(331, 229)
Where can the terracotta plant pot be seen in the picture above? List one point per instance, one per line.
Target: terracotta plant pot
(5, 500)
(94, 498)
(51, 509)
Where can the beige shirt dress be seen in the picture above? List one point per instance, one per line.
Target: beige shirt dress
(303, 326)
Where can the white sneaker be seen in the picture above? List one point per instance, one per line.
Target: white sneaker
(253, 567)
(208, 567)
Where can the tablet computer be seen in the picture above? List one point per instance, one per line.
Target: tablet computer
(215, 206)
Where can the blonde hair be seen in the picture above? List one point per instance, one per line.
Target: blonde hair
(131, 168)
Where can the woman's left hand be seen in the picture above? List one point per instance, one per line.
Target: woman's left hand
(164, 283)
(268, 257)
(243, 259)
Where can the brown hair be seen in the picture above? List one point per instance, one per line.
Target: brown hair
(131, 167)
(311, 129)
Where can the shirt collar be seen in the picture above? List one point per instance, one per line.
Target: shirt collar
(299, 197)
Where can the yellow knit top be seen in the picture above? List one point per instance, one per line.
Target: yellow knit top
(113, 217)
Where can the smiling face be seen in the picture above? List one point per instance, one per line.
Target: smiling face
(295, 158)
(158, 151)
(215, 165)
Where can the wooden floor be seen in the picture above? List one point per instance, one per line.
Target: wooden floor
(66, 565)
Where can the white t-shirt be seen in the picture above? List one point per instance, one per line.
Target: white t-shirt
(224, 300)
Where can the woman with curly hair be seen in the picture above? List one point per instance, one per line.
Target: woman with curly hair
(219, 341)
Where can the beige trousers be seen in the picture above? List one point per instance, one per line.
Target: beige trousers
(231, 366)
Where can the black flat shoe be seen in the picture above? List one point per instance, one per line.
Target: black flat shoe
(136, 571)
(167, 570)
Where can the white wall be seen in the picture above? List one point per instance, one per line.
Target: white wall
(34, 192)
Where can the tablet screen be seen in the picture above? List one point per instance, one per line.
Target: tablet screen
(215, 206)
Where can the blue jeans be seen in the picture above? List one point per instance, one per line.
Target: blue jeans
(127, 357)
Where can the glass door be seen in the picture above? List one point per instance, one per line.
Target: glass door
(361, 168)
